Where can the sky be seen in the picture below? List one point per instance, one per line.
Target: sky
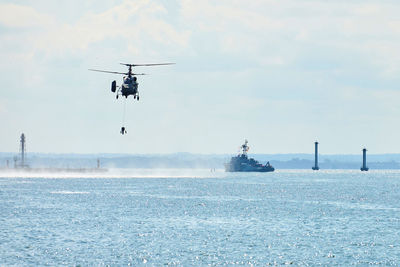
(281, 74)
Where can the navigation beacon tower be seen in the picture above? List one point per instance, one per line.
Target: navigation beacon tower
(316, 168)
(364, 166)
(22, 149)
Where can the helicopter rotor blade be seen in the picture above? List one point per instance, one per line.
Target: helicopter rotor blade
(135, 65)
(113, 72)
(139, 74)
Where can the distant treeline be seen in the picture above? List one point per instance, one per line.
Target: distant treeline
(187, 160)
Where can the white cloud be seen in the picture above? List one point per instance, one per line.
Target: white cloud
(277, 32)
(136, 22)
(18, 16)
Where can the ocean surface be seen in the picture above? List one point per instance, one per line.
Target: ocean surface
(200, 218)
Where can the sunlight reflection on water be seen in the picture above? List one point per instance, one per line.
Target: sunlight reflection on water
(198, 217)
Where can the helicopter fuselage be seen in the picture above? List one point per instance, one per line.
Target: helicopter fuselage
(129, 86)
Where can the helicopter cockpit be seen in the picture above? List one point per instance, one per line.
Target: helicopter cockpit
(130, 80)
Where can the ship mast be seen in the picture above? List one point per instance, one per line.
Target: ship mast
(245, 148)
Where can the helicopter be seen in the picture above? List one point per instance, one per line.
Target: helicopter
(129, 85)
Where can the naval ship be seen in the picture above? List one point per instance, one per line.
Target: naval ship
(242, 163)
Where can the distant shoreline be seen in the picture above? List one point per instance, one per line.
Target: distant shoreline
(198, 161)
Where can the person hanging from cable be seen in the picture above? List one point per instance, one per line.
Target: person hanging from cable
(123, 130)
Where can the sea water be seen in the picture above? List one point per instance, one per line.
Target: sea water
(201, 218)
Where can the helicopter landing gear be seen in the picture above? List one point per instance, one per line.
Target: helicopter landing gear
(137, 98)
(116, 97)
(123, 131)
(134, 96)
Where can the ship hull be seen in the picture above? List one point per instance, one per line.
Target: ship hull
(249, 170)
(238, 164)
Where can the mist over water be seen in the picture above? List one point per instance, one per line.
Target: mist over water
(115, 173)
(199, 217)
(119, 173)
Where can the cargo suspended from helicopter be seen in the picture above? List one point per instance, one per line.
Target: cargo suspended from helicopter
(129, 82)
